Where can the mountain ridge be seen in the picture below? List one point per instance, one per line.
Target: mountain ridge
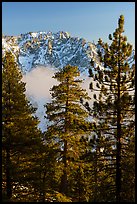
(50, 49)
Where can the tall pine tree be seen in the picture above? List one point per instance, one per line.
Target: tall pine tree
(114, 107)
(20, 134)
(67, 121)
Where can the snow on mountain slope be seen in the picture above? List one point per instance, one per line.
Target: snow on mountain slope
(50, 49)
(40, 54)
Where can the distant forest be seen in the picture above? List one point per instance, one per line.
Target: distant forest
(86, 154)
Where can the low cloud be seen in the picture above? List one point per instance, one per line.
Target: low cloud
(39, 81)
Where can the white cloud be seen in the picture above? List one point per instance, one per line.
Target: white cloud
(39, 81)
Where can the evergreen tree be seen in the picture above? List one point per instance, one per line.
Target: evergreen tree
(43, 165)
(114, 107)
(67, 121)
(20, 135)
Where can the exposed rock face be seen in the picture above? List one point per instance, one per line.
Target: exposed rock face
(47, 48)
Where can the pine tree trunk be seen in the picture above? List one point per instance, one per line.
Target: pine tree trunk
(118, 159)
(64, 176)
(8, 175)
(96, 182)
(63, 187)
(42, 193)
(118, 154)
(118, 170)
(8, 159)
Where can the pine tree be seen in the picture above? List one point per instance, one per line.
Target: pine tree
(67, 121)
(43, 166)
(114, 107)
(20, 134)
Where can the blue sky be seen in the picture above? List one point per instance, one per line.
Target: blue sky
(90, 20)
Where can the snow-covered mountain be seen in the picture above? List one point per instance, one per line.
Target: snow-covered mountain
(40, 54)
(47, 48)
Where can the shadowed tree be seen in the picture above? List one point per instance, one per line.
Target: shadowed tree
(19, 127)
(114, 107)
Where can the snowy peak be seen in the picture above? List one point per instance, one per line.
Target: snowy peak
(47, 48)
